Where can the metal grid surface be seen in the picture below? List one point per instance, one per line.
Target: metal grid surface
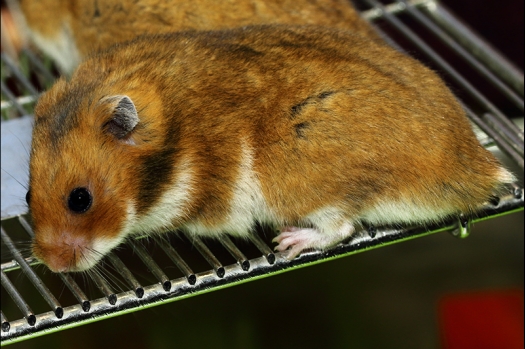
(155, 270)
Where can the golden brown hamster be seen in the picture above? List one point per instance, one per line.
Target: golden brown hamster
(311, 130)
(69, 30)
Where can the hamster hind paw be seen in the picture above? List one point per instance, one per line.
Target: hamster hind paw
(299, 239)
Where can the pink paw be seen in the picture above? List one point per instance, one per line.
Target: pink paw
(297, 239)
(294, 240)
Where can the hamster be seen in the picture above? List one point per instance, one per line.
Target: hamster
(68, 31)
(310, 130)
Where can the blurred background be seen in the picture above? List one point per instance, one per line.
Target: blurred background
(408, 295)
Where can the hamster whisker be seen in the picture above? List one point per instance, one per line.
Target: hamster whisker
(21, 143)
(25, 186)
(23, 246)
(107, 272)
(102, 272)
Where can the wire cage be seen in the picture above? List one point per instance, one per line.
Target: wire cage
(176, 266)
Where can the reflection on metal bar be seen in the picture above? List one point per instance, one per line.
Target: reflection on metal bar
(261, 246)
(176, 258)
(507, 149)
(104, 287)
(20, 77)
(498, 123)
(394, 8)
(19, 301)
(76, 291)
(151, 265)
(13, 265)
(126, 273)
(49, 78)
(235, 252)
(206, 253)
(12, 98)
(5, 324)
(464, 225)
(17, 100)
(31, 275)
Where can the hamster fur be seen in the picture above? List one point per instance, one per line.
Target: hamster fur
(68, 31)
(309, 129)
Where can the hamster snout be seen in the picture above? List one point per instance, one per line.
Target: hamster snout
(65, 251)
(307, 129)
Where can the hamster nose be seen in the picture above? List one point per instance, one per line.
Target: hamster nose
(67, 254)
(57, 264)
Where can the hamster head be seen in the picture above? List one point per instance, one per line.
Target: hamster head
(80, 195)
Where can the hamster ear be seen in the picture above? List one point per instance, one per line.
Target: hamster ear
(124, 117)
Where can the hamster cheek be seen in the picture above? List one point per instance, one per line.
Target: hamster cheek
(100, 248)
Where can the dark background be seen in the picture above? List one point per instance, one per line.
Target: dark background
(499, 22)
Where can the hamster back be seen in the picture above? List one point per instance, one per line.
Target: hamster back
(310, 130)
(68, 31)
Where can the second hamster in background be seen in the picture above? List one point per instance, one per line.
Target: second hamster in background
(68, 31)
(311, 130)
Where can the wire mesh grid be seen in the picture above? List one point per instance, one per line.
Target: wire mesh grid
(159, 269)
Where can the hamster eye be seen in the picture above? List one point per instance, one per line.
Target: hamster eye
(28, 197)
(79, 200)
